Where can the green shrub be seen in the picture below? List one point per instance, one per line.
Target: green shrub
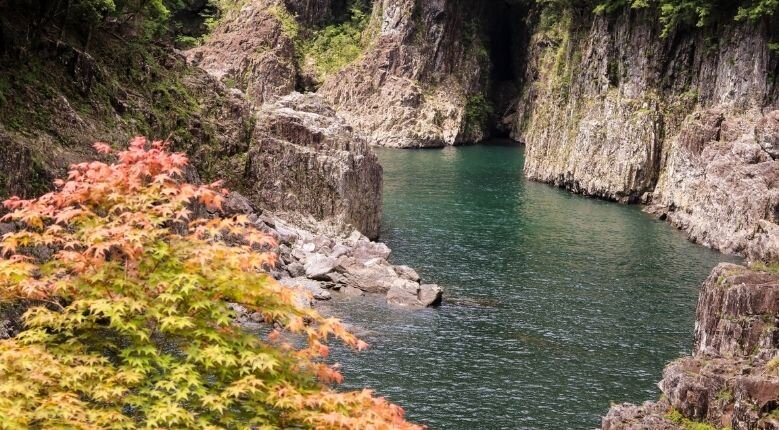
(334, 47)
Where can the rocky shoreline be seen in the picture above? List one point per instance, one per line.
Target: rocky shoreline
(322, 264)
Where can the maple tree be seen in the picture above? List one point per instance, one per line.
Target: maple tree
(129, 325)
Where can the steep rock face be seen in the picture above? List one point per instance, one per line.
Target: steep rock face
(720, 185)
(304, 160)
(604, 95)
(412, 86)
(732, 379)
(613, 110)
(252, 50)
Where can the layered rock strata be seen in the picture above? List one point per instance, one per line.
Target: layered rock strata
(732, 378)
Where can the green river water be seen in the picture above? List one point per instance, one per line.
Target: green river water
(555, 305)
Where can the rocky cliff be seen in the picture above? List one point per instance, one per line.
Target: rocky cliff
(296, 156)
(420, 81)
(305, 161)
(732, 378)
(413, 87)
(683, 123)
(605, 105)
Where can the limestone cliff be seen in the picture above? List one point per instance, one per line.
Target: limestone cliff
(731, 380)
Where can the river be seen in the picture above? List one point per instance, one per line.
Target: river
(555, 305)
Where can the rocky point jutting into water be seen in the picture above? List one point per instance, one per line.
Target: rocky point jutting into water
(607, 105)
(732, 378)
(292, 157)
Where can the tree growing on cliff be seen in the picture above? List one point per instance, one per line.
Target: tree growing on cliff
(129, 325)
(676, 13)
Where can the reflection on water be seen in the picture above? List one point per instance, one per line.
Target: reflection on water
(555, 306)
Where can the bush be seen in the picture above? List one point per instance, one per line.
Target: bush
(334, 47)
(132, 328)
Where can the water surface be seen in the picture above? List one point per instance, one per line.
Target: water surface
(556, 305)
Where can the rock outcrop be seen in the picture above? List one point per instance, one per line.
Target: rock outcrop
(306, 161)
(413, 85)
(721, 185)
(252, 50)
(732, 378)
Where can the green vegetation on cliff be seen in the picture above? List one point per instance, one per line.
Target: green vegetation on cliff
(680, 13)
(60, 90)
(337, 45)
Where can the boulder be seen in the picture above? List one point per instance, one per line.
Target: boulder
(296, 269)
(365, 251)
(404, 293)
(318, 265)
(377, 278)
(406, 272)
(237, 204)
(430, 295)
(308, 285)
(410, 294)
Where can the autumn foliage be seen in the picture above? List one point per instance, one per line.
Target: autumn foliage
(130, 327)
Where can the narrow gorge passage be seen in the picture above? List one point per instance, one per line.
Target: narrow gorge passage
(506, 43)
(556, 305)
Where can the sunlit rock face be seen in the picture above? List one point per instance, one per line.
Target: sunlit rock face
(684, 124)
(251, 50)
(412, 86)
(721, 185)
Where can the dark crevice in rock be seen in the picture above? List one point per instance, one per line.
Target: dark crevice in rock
(506, 35)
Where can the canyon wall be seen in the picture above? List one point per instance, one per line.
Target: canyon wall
(413, 86)
(685, 124)
(294, 156)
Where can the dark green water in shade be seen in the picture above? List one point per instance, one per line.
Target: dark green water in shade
(556, 305)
